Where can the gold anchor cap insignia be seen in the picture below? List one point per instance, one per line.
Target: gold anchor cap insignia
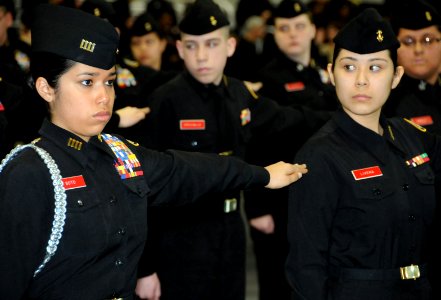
(380, 36)
(297, 7)
(148, 26)
(428, 16)
(97, 12)
(213, 21)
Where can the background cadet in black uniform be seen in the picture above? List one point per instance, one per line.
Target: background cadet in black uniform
(291, 78)
(13, 52)
(164, 13)
(140, 72)
(418, 96)
(128, 109)
(360, 223)
(202, 247)
(14, 69)
(14, 65)
(11, 96)
(73, 210)
(417, 25)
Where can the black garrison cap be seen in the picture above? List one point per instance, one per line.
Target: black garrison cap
(101, 9)
(74, 34)
(414, 15)
(290, 9)
(367, 33)
(203, 16)
(145, 24)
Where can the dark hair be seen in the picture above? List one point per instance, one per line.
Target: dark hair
(8, 6)
(392, 53)
(49, 66)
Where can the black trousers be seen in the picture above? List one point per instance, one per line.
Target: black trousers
(203, 260)
(270, 251)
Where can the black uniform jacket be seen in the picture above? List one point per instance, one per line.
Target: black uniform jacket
(192, 116)
(418, 101)
(18, 101)
(133, 87)
(10, 98)
(106, 219)
(367, 202)
(290, 82)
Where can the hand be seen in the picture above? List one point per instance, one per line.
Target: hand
(129, 115)
(264, 224)
(148, 287)
(283, 174)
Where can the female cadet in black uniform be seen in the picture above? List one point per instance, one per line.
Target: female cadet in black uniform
(73, 204)
(360, 222)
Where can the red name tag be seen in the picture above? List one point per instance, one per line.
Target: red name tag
(294, 86)
(198, 124)
(73, 182)
(367, 173)
(422, 120)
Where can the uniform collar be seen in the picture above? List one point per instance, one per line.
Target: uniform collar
(293, 65)
(69, 143)
(418, 84)
(366, 138)
(204, 90)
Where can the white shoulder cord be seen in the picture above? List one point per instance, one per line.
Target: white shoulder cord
(60, 199)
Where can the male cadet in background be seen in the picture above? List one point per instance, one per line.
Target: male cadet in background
(418, 95)
(291, 78)
(201, 249)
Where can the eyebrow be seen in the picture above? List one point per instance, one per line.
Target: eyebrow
(204, 41)
(94, 74)
(369, 60)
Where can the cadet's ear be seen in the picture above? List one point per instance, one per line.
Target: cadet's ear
(180, 48)
(44, 89)
(231, 45)
(399, 71)
(331, 74)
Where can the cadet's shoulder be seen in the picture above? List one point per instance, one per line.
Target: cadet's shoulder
(129, 63)
(242, 88)
(406, 124)
(23, 162)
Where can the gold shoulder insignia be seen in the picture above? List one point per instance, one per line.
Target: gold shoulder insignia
(133, 143)
(420, 128)
(226, 153)
(36, 140)
(131, 63)
(249, 87)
